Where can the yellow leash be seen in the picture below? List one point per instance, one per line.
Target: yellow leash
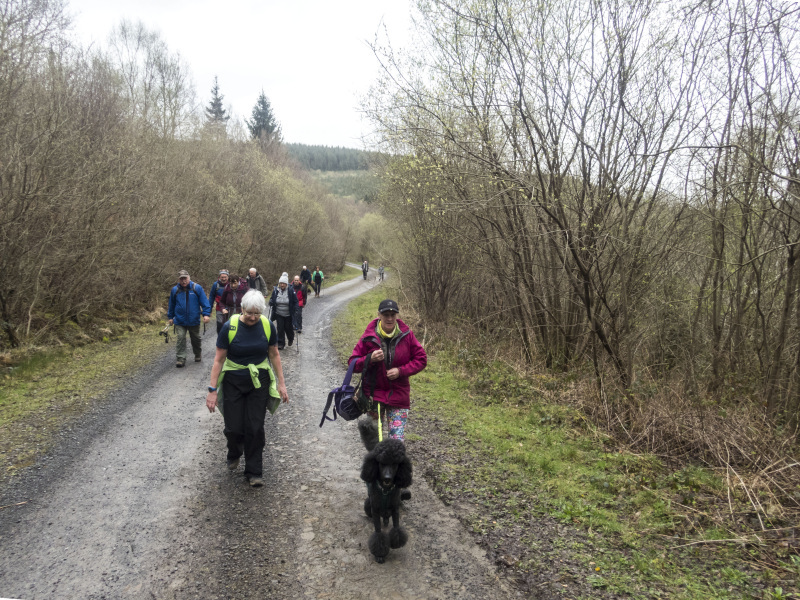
(380, 424)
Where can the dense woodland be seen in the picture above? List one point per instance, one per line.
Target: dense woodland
(113, 176)
(613, 189)
(327, 158)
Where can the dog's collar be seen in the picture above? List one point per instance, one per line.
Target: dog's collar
(384, 490)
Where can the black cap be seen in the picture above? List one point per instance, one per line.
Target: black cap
(387, 306)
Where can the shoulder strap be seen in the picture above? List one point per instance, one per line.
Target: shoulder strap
(349, 374)
(265, 324)
(233, 328)
(368, 370)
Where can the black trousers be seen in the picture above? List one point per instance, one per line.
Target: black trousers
(244, 413)
(298, 318)
(285, 329)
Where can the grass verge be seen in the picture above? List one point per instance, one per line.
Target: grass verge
(559, 505)
(52, 388)
(345, 274)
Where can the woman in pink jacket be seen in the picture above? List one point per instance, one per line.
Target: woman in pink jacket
(394, 355)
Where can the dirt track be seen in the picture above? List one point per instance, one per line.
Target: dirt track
(138, 502)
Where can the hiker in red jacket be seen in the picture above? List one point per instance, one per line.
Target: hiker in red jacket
(300, 292)
(396, 356)
(231, 299)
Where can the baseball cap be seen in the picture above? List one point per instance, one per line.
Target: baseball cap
(183, 273)
(388, 306)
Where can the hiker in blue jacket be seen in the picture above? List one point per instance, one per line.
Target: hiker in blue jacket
(187, 304)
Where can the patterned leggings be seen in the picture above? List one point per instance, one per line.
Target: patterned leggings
(396, 419)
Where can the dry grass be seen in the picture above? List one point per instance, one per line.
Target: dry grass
(757, 461)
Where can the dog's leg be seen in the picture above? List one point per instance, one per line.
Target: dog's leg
(397, 535)
(379, 542)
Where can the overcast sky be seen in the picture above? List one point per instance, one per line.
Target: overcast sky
(311, 57)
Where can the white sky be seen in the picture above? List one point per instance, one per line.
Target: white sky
(311, 57)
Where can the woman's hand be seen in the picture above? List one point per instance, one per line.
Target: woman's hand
(211, 401)
(377, 356)
(393, 373)
(284, 394)
(224, 311)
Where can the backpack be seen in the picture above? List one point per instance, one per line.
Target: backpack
(348, 402)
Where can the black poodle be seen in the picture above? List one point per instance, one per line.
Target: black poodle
(386, 470)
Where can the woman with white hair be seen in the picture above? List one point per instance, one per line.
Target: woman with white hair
(283, 305)
(246, 381)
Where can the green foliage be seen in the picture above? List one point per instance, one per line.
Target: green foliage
(358, 185)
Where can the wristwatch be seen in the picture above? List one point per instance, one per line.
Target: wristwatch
(212, 389)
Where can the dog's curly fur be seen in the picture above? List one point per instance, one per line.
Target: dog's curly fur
(386, 470)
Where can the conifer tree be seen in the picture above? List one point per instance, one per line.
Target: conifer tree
(216, 115)
(263, 126)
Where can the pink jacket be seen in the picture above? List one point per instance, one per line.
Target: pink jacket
(402, 351)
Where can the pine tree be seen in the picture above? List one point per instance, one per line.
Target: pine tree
(263, 126)
(216, 115)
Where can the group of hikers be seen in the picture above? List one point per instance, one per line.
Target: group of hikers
(365, 270)
(247, 375)
(188, 304)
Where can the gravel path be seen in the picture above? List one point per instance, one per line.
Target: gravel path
(138, 502)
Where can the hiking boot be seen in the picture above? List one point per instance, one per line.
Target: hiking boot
(291, 342)
(180, 363)
(233, 464)
(198, 358)
(256, 482)
(281, 347)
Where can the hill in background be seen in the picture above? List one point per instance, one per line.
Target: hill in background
(326, 158)
(344, 171)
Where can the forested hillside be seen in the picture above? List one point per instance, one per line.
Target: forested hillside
(326, 158)
(613, 190)
(113, 179)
